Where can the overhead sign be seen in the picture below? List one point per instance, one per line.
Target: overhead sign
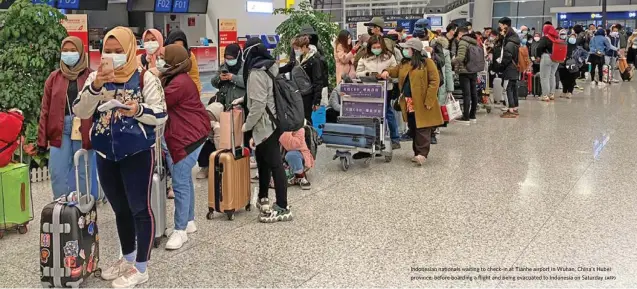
(180, 6)
(163, 6)
(68, 4)
(259, 7)
(47, 2)
(227, 35)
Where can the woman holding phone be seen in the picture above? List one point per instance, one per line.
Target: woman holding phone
(123, 139)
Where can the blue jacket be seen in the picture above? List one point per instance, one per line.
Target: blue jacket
(113, 135)
(614, 42)
(599, 45)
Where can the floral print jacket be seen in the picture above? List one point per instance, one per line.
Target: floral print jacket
(113, 135)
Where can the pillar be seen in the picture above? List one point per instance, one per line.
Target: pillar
(482, 14)
(150, 20)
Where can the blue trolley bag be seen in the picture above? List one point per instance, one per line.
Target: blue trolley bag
(349, 135)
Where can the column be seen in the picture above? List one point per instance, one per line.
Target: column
(482, 14)
(150, 20)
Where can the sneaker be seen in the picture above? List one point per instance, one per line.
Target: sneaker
(277, 214)
(504, 108)
(191, 228)
(253, 163)
(516, 112)
(545, 98)
(304, 183)
(117, 270)
(263, 205)
(177, 239)
(405, 137)
(508, 114)
(420, 160)
(562, 95)
(464, 121)
(395, 145)
(568, 96)
(202, 173)
(595, 83)
(130, 279)
(552, 97)
(414, 159)
(473, 120)
(615, 80)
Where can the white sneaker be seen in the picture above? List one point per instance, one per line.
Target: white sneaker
(117, 270)
(615, 80)
(202, 173)
(253, 163)
(473, 120)
(191, 228)
(130, 279)
(177, 239)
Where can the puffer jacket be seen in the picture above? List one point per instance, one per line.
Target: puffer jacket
(463, 49)
(377, 64)
(260, 95)
(113, 135)
(447, 71)
(510, 57)
(229, 90)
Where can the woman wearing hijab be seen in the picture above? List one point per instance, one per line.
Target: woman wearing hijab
(232, 90)
(124, 139)
(176, 36)
(186, 130)
(58, 128)
(153, 42)
(265, 134)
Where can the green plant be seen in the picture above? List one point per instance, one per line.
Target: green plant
(320, 21)
(30, 37)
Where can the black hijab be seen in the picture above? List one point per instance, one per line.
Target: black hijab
(234, 50)
(177, 34)
(256, 56)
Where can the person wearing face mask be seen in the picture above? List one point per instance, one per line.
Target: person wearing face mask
(576, 56)
(59, 129)
(598, 47)
(308, 59)
(124, 140)
(187, 129)
(344, 55)
(453, 41)
(613, 54)
(378, 59)
(581, 41)
(176, 36)
(548, 68)
(153, 42)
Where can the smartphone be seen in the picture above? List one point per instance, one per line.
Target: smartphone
(107, 64)
(224, 71)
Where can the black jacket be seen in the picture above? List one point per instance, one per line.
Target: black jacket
(545, 45)
(314, 70)
(510, 57)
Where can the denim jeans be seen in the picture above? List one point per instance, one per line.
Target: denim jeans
(295, 161)
(512, 93)
(548, 68)
(184, 189)
(61, 167)
(392, 123)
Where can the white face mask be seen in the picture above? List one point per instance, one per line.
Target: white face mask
(536, 38)
(161, 65)
(614, 34)
(151, 46)
(119, 60)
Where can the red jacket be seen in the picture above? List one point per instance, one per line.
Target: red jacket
(188, 122)
(53, 108)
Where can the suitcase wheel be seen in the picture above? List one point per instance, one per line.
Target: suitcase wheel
(230, 215)
(249, 207)
(156, 242)
(488, 109)
(23, 229)
(97, 273)
(210, 215)
(345, 163)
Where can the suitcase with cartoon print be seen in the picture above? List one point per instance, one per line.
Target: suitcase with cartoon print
(606, 75)
(69, 240)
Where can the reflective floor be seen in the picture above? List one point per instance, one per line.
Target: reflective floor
(554, 188)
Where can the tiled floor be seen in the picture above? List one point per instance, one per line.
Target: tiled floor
(535, 191)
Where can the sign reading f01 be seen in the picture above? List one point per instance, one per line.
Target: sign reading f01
(180, 6)
(163, 6)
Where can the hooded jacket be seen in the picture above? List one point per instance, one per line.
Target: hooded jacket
(545, 45)
(463, 50)
(510, 56)
(599, 44)
(260, 92)
(311, 64)
(447, 70)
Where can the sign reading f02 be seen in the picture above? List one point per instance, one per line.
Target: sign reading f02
(162, 6)
(69, 4)
(180, 6)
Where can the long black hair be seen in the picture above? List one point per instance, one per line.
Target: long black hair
(417, 59)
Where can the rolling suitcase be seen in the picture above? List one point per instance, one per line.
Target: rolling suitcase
(229, 180)
(523, 89)
(371, 122)
(498, 91)
(536, 86)
(349, 135)
(69, 240)
(319, 117)
(16, 205)
(158, 190)
(606, 78)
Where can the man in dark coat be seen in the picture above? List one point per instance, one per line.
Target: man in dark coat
(509, 66)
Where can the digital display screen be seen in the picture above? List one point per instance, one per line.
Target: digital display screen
(163, 6)
(143, 5)
(90, 5)
(180, 6)
(435, 21)
(198, 6)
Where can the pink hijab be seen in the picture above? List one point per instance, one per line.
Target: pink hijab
(152, 58)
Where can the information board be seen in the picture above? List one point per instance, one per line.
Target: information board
(68, 4)
(163, 6)
(180, 6)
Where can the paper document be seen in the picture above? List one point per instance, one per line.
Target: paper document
(112, 104)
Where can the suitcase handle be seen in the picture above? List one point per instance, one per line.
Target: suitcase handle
(76, 161)
(232, 135)
(159, 133)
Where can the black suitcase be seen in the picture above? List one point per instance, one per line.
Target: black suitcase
(69, 240)
(523, 89)
(536, 85)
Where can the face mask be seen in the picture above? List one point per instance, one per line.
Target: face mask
(404, 35)
(231, 62)
(151, 47)
(70, 58)
(377, 51)
(161, 65)
(407, 53)
(572, 40)
(525, 32)
(491, 38)
(614, 34)
(563, 37)
(536, 38)
(298, 52)
(118, 59)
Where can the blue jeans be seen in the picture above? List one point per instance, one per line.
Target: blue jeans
(391, 121)
(61, 168)
(184, 189)
(295, 161)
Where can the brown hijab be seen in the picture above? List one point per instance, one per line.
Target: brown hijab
(176, 57)
(71, 73)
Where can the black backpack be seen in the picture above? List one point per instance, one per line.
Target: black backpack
(302, 81)
(474, 59)
(289, 104)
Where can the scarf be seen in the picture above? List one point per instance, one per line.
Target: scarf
(127, 39)
(177, 57)
(176, 35)
(152, 58)
(256, 55)
(234, 50)
(71, 73)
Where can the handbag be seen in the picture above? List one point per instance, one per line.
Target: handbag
(453, 108)
(76, 134)
(397, 103)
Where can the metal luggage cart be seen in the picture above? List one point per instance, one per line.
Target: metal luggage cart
(364, 104)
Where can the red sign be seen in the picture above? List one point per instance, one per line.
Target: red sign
(77, 25)
(227, 35)
(206, 58)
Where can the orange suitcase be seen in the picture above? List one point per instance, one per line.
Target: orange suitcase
(229, 182)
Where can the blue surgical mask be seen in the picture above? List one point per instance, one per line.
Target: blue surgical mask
(377, 51)
(119, 60)
(572, 40)
(231, 62)
(70, 58)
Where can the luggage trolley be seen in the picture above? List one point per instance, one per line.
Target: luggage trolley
(361, 126)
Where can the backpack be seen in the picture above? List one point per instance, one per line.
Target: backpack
(311, 139)
(11, 123)
(560, 50)
(524, 61)
(302, 81)
(571, 65)
(475, 59)
(288, 101)
(440, 62)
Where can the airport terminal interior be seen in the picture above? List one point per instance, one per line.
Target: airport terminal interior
(544, 199)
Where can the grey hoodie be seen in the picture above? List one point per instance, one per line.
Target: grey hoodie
(260, 93)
